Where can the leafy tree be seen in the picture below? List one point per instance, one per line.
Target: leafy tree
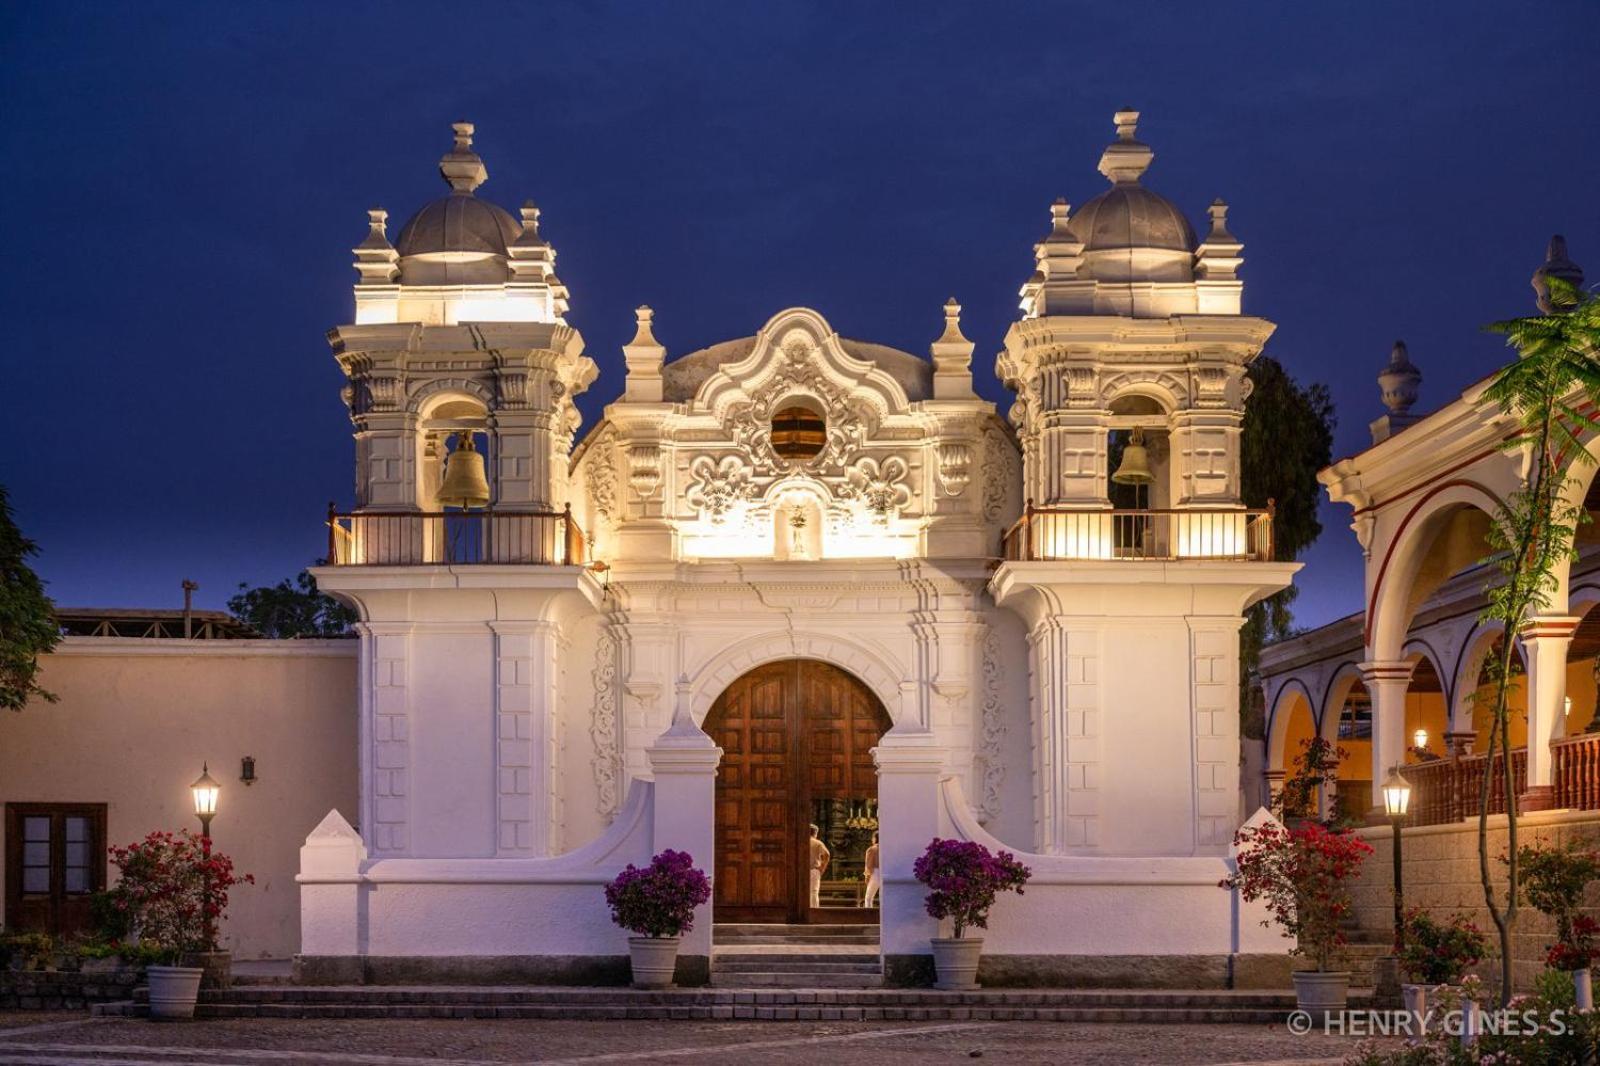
(292, 609)
(1287, 438)
(28, 626)
(1551, 389)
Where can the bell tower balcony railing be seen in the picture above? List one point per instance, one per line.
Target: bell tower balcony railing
(1048, 534)
(456, 538)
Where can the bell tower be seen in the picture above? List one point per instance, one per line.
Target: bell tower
(1135, 556)
(460, 341)
(462, 372)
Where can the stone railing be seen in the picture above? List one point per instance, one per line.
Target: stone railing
(456, 538)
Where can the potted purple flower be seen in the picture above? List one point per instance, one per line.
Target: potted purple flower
(964, 877)
(657, 904)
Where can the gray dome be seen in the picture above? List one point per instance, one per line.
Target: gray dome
(1131, 216)
(459, 222)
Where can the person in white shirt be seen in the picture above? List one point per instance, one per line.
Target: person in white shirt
(874, 875)
(820, 857)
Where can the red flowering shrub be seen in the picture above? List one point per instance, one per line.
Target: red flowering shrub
(1554, 878)
(660, 899)
(172, 893)
(1302, 875)
(1439, 953)
(965, 878)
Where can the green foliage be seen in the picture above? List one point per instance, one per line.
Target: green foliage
(1316, 765)
(1440, 953)
(1286, 438)
(28, 626)
(26, 951)
(292, 609)
(1550, 390)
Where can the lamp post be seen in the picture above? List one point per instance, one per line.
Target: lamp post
(205, 790)
(1396, 798)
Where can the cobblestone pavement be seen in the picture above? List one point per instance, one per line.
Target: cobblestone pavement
(35, 1039)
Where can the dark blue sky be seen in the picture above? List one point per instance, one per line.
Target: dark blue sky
(185, 183)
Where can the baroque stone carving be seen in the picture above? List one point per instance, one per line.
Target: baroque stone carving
(644, 469)
(600, 473)
(997, 474)
(879, 486)
(992, 731)
(604, 727)
(715, 488)
(955, 466)
(799, 376)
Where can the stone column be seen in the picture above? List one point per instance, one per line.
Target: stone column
(684, 762)
(1274, 786)
(1544, 641)
(1386, 683)
(909, 816)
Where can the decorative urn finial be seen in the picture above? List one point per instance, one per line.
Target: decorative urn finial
(1399, 380)
(1557, 265)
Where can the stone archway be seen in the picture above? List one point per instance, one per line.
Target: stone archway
(795, 734)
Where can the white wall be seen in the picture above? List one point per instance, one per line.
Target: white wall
(137, 718)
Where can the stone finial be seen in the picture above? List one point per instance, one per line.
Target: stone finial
(460, 167)
(530, 218)
(952, 358)
(1125, 159)
(1399, 380)
(1556, 264)
(376, 259)
(1060, 214)
(644, 357)
(1219, 222)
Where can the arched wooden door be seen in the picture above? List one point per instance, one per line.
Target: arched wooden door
(791, 732)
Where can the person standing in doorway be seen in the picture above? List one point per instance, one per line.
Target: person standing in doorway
(820, 857)
(874, 875)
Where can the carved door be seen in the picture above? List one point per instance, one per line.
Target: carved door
(790, 732)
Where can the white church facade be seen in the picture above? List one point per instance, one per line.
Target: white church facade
(790, 579)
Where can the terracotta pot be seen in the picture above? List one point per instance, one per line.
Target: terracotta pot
(173, 991)
(955, 962)
(1320, 992)
(654, 958)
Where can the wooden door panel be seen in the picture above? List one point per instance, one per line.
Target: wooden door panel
(790, 732)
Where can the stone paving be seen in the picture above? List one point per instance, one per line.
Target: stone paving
(36, 1039)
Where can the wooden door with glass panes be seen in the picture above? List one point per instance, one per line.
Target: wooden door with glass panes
(55, 860)
(791, 733)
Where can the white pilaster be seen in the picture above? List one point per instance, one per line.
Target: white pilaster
(1545, 640)
(1386, 683)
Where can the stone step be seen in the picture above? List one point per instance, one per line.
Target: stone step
(800, 939)
(775, 1005)
(797, 979)
(793, 960)
(363, 998)
(727, 932)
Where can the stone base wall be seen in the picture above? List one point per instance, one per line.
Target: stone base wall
(1104, 971)
(691, 970)
(50, 990)
(1441, 875)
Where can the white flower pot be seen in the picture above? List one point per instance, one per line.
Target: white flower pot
(173, 991)
(1321, 991)
(1415, 999)
(654, 958)
(1583, 989)
(955, 962)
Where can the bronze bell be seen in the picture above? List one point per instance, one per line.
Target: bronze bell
(1135, 466)
(464, 482)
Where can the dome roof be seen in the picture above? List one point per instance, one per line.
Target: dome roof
(1131, 216)
(459, 222)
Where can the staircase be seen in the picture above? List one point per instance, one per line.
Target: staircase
(795, 956)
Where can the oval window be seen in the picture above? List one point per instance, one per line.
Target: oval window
(798, 432)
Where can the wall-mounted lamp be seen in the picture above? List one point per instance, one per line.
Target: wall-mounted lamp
(1420, 738)
(247, 769)
(1566, 706)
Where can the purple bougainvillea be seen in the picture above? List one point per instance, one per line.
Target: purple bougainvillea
(965, 877)
(660, 899)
